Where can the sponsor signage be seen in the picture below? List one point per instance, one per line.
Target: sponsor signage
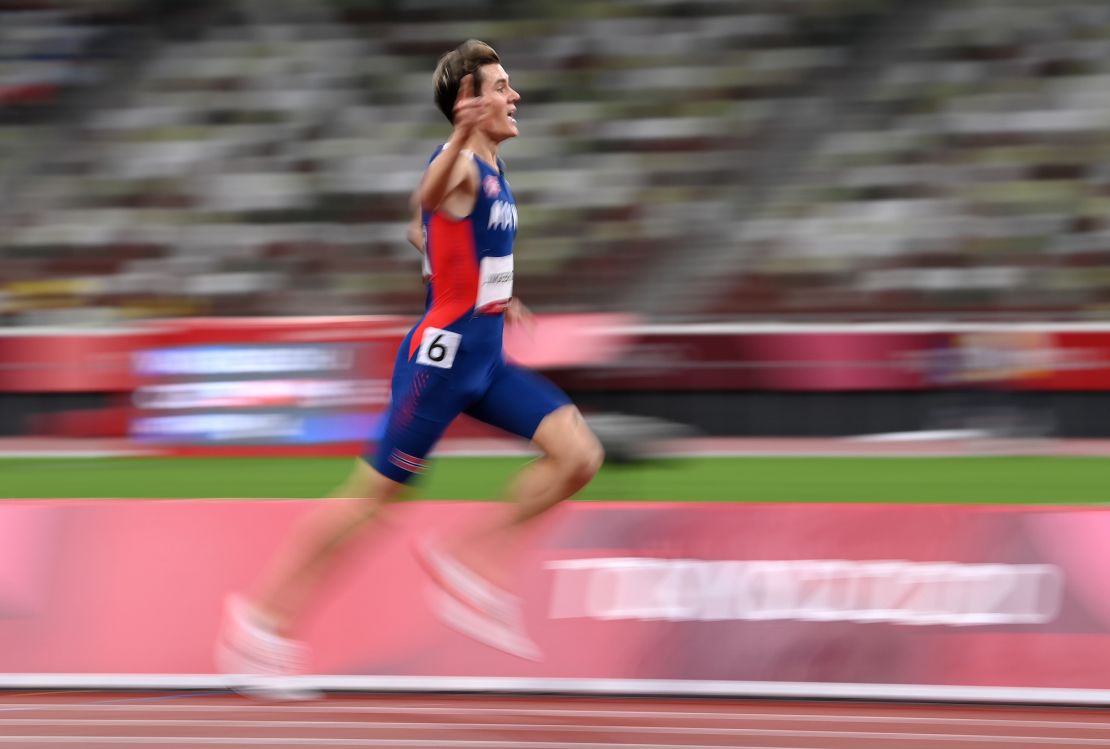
(747, 595)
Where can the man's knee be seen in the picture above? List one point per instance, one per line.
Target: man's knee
(584, 460)
(569, 442)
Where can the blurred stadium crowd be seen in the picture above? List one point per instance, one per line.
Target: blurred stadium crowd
(686, 159)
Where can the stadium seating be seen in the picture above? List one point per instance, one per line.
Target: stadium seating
(265, 166)
(972, 186)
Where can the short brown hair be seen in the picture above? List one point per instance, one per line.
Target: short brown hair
(454, 66)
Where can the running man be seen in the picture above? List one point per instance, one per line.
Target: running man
(450, 363)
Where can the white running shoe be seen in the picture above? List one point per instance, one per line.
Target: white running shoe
(472, 605)
(478, 626)
(259, 662)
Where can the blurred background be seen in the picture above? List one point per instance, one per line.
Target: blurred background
(687, 171)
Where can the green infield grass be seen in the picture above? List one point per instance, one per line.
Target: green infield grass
(1056, 480)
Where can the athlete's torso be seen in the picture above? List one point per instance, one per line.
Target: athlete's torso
(471, 267)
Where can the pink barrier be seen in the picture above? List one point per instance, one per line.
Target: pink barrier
(120, 360)
(674, 357)
(773, 594)
(306, 386)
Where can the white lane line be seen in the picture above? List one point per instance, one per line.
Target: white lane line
(607, 687)
(561, 712)
(555, 728)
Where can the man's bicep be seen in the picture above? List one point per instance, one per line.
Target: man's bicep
(464, 176)
(459, 198)
(436, 189)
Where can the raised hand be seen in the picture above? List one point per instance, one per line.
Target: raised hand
(469, 109)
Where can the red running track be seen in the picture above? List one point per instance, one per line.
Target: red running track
(215, 721)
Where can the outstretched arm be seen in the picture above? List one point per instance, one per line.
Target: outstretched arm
(449, 170)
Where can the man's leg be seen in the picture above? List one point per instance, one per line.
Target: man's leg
(254, 642)
(424, 402)
(523, 403)
(318, 544)
(255, 637)
(473, 573)
(572, 456)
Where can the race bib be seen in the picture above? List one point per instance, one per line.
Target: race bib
(495, 284)
(438, 348)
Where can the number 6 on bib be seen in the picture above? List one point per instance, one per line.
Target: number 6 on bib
(438, 348)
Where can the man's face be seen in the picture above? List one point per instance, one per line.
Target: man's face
(499, 123)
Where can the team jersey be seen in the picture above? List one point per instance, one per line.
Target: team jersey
(470, 267)
(452, 363)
